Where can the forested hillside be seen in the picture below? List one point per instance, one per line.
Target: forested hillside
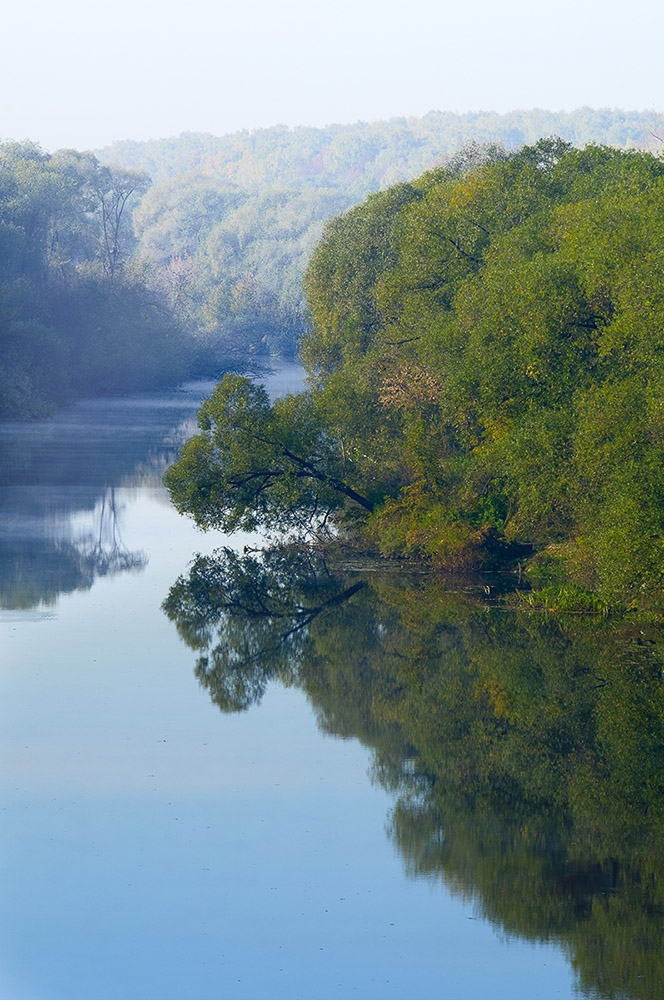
(75, 317)
(365, 156)
(486, 358)
(228, 227)
(108, 283)
(230, 263)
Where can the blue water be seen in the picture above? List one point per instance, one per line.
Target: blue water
(152, 848)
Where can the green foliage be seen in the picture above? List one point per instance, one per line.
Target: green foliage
(485, 356)
(565, 599)
(417, 523)
(355, 251)
(366, 156)
(281, 592)
(230, 261)
(259, 465)
(504, 325)
(230, 224)
(485, 359)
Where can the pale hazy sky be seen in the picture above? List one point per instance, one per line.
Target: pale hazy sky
(81, 73)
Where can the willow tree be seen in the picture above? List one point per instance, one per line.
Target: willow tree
(254, 464)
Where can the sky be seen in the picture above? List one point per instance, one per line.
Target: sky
(80, 73)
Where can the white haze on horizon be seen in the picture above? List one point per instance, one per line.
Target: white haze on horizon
(85, 74)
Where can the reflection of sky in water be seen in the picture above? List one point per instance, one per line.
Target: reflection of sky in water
(67, 482)
(151, 847)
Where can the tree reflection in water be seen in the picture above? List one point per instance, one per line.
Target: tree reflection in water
(250, 617)
(102, 552)
(70, 556)
(525, 754)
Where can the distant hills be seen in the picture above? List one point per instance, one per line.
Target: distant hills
(229, 224)
(365, 156)
(152, 260)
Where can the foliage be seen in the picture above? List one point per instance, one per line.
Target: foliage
(367, 156)
(230, 261)
(280, 592)
(504, 327)
(344, 268)
(565, 599)
(485, 359)
(74, 316)
(418, 523)
(259, 465)
(229, 226)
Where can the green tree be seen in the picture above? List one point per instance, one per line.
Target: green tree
(254, 464)
(76, 315)
(486, 353)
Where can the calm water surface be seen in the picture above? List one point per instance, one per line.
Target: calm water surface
(154, 847)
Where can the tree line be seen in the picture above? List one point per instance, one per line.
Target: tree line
(229, 225)
(109, 282)
(76, 318)
(485, 364)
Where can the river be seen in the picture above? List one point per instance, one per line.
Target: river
(398, 800)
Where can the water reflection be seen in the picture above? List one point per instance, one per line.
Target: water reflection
(65, 483)
(526, 755)
(250, 617)
(63, 554)
(61, 480)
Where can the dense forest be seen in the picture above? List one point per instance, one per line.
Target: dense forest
(485, 364)
(227, 229)
(149, 261)
(75, 316)
(362, 157)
